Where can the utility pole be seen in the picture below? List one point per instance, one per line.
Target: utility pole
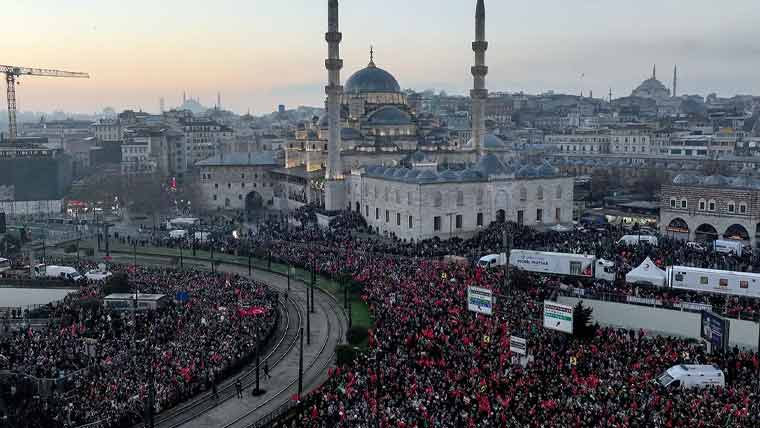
(345, 292)
(507, 242)
(134, 252)
(300, 366)
(250, 266)
(313, 284)
(44, 261)
(108, 246)
(289, 278)
(181, 263)
(308, 320)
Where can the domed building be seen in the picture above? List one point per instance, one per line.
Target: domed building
(652, 88)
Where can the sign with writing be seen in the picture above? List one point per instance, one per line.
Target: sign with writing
(480, 300)
(518, 345)
(715, 330)
(558, 317)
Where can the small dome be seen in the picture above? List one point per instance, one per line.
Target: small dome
(389, 115)
(371, 79)
(427, 176)
(546, 170)
(449, 175)
(490, 142)
(350, 134)
(491, 165)
(390, 172)
(715, 180)
(743, 181)
(686, 179)
(413, 173)
(400, 172)
(471, 174)
(527, 171)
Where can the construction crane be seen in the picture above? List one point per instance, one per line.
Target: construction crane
(12, 73)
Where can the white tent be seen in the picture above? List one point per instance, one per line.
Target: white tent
(647, 273)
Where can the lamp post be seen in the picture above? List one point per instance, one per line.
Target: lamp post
(308, 320)
(300, 366)
(134, 252)
(181, 263)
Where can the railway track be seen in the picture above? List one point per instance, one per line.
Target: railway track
(321, 360)
(189, 411)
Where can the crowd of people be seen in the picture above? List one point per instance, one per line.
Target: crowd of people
(431, 363)
(95, 365)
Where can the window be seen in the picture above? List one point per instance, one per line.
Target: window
(672, 202)
(229, 185)
(459, 221)
(711, 205)
(240, 197)
(242, 185)
(437, 199)
(703, 280)
(480, 219)
(559, 192)
(409, 198)
(216, 185)
(731, 207)
(479, 199)
(411, 222)
(539, 215)
(460, 198)
(684, 204)
(214, 197)
(242, 176)
(520, 217)
(523, 194)
(540, 193)
(742, 208)
(387, 216)
(398, 197)
(558, 215)
(436, 224)
(366, 211)
(398, 219)
(702, 204)
(377, 213)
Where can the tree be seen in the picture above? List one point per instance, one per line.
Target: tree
(583, 326)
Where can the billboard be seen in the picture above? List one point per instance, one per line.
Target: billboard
(715, 330)
(558, 317)
(480, 300)
(518, 345)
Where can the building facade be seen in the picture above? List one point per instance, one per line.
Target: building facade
(705, 208)
(237, 181)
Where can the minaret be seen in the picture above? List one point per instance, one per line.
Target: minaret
(218, 100)
(654, 72)
(334, 185)
(675, 80)
(479, 93)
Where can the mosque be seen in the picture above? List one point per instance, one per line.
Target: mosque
(368, 154)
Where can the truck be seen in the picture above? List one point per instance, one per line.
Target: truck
(728, 247)
(493, 260)
(65, 273)
(638, 239)
(575, 265)
(178, 234)
(713, 281)
(98, 275)
(692, 376)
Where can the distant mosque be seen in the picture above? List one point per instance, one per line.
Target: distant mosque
(654, 89)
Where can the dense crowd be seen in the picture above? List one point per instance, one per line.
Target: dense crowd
(98, 363)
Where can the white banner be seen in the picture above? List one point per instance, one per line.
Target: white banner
(558, 317)
(518, 345)
(480, 300)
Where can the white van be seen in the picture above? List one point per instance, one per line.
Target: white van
(692, 376)
(65, 273)
(638, 239)
(493, 260)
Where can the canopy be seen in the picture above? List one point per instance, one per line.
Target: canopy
(647, 273)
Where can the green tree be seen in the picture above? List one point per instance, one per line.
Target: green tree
(583, 326)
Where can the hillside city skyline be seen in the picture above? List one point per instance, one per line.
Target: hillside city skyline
(566, 49)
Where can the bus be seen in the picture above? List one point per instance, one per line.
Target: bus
(123, 302)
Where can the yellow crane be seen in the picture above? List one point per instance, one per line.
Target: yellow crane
(12, 73)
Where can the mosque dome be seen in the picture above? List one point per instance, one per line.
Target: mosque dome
(686, 179)
(490, 142)
(389, 115)
(371, 79)
(716, 180)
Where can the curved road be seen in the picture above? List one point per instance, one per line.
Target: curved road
(328, 327)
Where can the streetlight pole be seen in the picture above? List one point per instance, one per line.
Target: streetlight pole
(300, 366)
(181, 263)
(313, 283)
(308, 320)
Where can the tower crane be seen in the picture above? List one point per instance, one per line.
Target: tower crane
(12, 73)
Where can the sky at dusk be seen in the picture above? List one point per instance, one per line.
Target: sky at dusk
(260, 53)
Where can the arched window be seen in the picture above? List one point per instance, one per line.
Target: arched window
(702, 204)
(523, 194)
(540, 193)
(460, 198)
(742, 208)
(731, 207)
(684, 204)
(479, 200)
(711, 205)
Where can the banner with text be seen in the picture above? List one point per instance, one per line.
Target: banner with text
(518, 345)
(480, 300)
(558, 317)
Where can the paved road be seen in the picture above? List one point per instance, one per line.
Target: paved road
(328, 328)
